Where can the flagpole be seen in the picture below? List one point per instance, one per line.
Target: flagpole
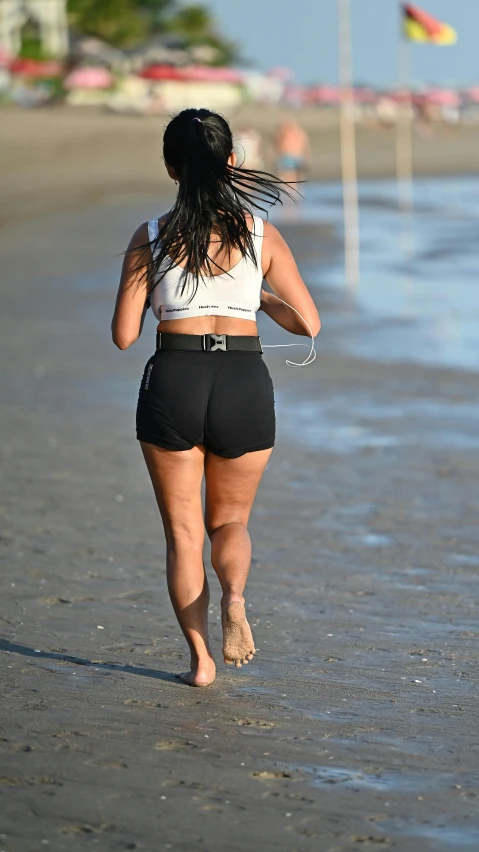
(404, 169)
(404, 130)
(348, 150)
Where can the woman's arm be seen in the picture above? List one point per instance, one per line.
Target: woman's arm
(131, 301)
(282, 276)
(281, 314)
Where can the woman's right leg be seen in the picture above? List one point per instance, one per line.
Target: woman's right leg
(176, 477)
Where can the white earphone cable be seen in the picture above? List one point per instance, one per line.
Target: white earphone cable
(310, 357)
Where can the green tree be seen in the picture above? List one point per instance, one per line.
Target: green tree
(197, 27)
(157, 12)
(118, 22)
(31, 42)
(125, 23)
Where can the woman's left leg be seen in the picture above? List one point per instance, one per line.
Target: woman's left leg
(176, 477)
(231, 486)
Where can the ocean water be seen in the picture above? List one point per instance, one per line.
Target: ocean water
(418, 297)
(417, 301)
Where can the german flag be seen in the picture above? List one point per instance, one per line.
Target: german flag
(420, 26)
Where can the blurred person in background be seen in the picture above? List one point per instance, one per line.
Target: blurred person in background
(206, 403)
(293, 152)
(247, 147)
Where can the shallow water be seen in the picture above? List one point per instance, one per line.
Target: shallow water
(419, 293)
(346, 424)
(418, 301)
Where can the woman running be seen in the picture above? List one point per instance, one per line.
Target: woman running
(206, 404)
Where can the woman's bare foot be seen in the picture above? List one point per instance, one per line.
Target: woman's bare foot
(238, 642)
(201, 674)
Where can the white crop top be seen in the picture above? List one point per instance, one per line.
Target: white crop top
(233, 294)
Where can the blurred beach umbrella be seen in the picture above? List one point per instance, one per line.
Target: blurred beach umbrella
(36, 68)
(323, 94)
(193, 73)
(160, 72)
(89, 78)
(442, 97)
(207, 73)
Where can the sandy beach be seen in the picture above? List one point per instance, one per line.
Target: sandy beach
(356, 728)
(57, 158)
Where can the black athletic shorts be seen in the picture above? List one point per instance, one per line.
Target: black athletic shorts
(223, 400)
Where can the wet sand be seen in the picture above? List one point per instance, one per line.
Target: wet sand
(356, 727)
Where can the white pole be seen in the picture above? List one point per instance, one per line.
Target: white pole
(348, 150)
(404, 172)
(404, 128)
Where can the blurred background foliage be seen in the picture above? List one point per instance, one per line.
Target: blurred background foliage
(128, 23)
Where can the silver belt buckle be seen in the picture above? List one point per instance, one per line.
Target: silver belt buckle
(219, 342)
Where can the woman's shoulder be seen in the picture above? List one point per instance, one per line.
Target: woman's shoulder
(271, 231)
(255, 223)
(158, 221)
(140, 236)
(148, 231)
(274, 244)
(267, 229)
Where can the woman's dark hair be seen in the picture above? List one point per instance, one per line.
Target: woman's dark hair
(212, 197)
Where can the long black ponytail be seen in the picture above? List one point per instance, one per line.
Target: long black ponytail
(213, 198)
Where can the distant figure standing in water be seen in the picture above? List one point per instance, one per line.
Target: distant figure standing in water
(292, 151)
(206, 405)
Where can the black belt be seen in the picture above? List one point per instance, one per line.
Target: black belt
(208, 342)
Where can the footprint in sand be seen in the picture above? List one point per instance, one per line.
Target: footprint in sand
(5, 781)
(270, 776)
(170, 745)
(54, 600)
(86, 829)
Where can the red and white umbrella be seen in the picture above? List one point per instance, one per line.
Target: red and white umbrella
(160, 72)
(36, 68)
(191, 73)
(442, 97)
(92, 77)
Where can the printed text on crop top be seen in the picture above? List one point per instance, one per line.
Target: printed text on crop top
(233, 294)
